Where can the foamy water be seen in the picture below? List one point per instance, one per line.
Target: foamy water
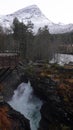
(27, 103)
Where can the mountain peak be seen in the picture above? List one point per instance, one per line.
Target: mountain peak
(33, 13)
(31, 6)
(29, 10)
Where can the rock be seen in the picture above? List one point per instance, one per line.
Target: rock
(11, 82)
(10, 119)
(54, 114)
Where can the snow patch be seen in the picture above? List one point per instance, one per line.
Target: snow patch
(62, 59)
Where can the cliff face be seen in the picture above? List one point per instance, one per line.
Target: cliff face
(11, 119)
(56, 112)
(9, 81)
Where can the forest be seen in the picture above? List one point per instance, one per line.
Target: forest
(41, 46)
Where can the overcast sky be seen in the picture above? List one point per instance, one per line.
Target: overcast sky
(56, 10)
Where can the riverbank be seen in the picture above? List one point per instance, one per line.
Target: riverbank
(11, 119)
(53, 84)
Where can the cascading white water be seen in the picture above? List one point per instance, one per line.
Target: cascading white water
(27, 103)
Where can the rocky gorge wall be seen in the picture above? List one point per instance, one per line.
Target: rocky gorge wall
(10, 119)
(53, 112)
(56, 93)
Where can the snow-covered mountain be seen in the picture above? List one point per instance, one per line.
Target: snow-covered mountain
(33, 14)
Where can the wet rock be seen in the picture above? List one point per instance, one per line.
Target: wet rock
(11, 119)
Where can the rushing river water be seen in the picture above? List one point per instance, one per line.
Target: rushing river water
(27, 103)
(62, 59)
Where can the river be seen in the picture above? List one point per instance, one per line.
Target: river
(27, 103)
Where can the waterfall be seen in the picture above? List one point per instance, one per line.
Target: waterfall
(27, 103)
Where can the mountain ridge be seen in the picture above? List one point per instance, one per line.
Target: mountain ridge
(33, 13)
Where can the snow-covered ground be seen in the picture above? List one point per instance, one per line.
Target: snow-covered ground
(62, 59)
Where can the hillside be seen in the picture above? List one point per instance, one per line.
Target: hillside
(34, 14)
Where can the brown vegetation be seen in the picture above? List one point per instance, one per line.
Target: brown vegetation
(5, 123)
